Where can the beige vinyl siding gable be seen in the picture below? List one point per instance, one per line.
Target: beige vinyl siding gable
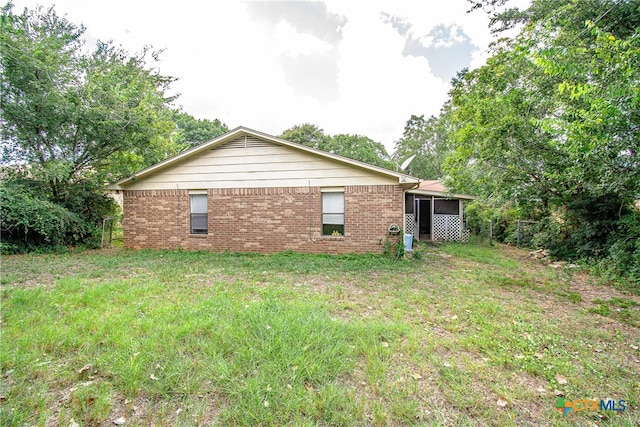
(250, 162)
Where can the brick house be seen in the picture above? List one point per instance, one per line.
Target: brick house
(246, 191)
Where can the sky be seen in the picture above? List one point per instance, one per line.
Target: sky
(354, 67)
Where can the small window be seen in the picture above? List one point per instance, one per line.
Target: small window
(333, 214)
(446, 207)
(199, 214)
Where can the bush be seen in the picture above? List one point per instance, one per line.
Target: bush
(623, 253)
(30, 221)
(88, 200)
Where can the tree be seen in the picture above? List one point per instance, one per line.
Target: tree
(307, 134)
(68, 112)
(551, 122)
(191, 131)
(356, 147)
(77, 119)
(360, 148)
(427, 139)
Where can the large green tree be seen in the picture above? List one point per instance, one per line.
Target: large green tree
(357, 147)
(308, 134)
(427, 139)
(70, 113)
(75, 118)
(551, 122)
(362, 148)
(191, 131)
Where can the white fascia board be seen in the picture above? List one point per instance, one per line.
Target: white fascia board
(441, 194)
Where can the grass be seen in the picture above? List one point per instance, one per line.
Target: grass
(460, 335)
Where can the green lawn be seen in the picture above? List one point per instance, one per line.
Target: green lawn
(461, 335)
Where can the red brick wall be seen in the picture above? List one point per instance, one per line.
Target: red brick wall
(262, 219)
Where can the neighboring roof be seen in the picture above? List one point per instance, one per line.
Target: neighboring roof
(436, 188)
(403, 179)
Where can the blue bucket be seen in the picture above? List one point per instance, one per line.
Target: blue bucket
(408, 242)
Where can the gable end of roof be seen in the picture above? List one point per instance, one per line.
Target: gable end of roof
(242, 137)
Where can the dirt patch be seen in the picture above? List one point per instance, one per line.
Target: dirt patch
(573, 282)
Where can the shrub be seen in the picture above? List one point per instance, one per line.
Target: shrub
(88, 200)
(30, 221)
(623, 253)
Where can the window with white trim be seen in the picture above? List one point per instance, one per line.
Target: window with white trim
(199, 219)
(333, 213)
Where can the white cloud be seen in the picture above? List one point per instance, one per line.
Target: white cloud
(293, 43)
(269, 70)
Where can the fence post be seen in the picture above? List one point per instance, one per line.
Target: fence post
(518, 236)
(104, 221)
(490, 232)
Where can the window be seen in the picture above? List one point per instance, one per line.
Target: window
(199, 216)
(333, 213)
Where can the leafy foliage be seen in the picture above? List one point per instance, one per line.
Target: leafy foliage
(74, 120)
(69, 112)
(191, 131)
(551, 123)
(356, 147)
(307, 134)
(428, 140)
(361, 148)
(30, 222)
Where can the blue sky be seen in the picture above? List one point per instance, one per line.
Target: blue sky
(358, 67)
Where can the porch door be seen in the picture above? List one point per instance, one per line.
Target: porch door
(423, 218)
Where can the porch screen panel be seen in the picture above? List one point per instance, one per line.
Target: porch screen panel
(332, 213)
(446, 207)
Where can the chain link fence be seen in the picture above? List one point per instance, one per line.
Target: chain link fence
(480, 231)
(520, 233)
(525, 233)
(112, 232)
